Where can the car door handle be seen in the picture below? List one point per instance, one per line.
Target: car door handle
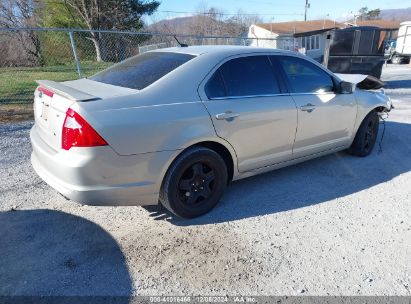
(308, 108)
(228, 115)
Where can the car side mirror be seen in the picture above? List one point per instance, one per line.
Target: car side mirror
(345, 87)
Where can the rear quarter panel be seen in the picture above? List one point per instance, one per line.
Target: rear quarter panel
(142, 129)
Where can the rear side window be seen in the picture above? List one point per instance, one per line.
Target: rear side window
(304, 76)
(142, 70)
(215, 86)
(245, 76)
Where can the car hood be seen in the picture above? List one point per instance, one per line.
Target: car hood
(365, 82)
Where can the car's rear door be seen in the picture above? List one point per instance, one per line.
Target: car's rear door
(250, 109)
(325, 118)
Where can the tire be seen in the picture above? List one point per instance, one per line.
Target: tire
(366, 136)
(396, 59)
(194, 183)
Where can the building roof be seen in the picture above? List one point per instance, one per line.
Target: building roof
(383, 24)
(297, 27)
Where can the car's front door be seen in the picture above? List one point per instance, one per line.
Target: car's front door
(250, 110)
(325, 118)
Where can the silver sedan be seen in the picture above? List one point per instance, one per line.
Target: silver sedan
(176, 125)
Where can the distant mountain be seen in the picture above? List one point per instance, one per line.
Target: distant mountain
(174, 25)
(399, 14)
(200, 25)
(208, 26)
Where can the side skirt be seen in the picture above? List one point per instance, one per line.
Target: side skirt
(288, 163)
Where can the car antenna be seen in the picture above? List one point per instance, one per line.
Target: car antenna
(179, 43)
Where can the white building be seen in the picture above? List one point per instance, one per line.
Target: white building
(308, 37)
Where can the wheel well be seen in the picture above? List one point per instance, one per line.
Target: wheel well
(380, 109)
(223, 152)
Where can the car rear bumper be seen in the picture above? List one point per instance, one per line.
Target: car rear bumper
(99, 176)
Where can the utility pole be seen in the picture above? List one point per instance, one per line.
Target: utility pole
(271, 25)
(307, 6)
(325, 17)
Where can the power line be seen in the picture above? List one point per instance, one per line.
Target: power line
(204, 13)
(230, 14)
(307, 6)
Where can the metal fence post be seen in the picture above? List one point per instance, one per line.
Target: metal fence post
(73, 46)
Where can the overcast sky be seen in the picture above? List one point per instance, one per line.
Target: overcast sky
(278, 10)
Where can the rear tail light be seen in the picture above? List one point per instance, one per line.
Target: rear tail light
(78, 133)
(45, 91)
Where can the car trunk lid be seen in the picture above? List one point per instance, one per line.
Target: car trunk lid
(53, 99)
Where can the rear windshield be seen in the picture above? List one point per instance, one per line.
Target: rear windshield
(140, 71)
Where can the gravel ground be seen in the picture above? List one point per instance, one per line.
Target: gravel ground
(337, 225)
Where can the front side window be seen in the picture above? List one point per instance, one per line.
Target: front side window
(304, 76)
(242, 77)
(140, 71)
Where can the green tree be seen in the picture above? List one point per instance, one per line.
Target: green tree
(99, 15)
(365, 14)
(59, 14)
(362, 13)
(374, 14)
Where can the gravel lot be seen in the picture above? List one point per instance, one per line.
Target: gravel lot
(337, 225)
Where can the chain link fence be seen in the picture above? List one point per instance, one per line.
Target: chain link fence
(63, 54)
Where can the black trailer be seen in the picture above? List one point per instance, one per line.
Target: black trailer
(355, 50)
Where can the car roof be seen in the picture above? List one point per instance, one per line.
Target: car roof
(219, 49)
(218, 52)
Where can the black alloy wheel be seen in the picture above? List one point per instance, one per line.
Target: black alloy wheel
(194, 183)
(366, 136)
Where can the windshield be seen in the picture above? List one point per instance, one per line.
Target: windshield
(140, 71)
